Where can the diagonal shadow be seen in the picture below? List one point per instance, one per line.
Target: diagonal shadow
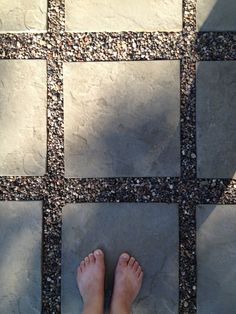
(221, 16)
(125, 123)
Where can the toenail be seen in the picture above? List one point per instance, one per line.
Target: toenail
(125, 256)
(98, 252)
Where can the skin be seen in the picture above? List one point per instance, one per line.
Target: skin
(127, 284)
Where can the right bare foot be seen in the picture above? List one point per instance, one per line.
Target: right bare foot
(128, 281)
(90, 280)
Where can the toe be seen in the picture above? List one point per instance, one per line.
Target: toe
(136, 265)
(131, 261)
(82, 265)
(140, 277)
(139, 270)
(91, 258)
(123, 259)
(86, 260)
(99, 256)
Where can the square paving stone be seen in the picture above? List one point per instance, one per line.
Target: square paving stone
(122, 119)
(20, 257)
(216, 15)
(216, 259)
(23, 101)
(23, 15)
(149, 232)
(216, 127)
(123, 15)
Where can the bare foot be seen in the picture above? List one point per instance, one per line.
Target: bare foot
(90, 280)
(128, 281)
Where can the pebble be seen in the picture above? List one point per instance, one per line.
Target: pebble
(185, 304)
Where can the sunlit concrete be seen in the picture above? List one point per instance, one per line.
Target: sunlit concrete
(23, 101)
(23, 15)
(123, 15)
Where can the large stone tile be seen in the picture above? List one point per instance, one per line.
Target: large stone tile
(123, 15)
(20, 257)
(216, 15)
(216, 259)
(121, 119)
(216, 127)
(147, 231)
(23, 100)
(23, 15)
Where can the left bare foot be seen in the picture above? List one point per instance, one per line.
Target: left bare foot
(90, 280)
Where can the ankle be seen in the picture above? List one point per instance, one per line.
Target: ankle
(95, 307)
(120, 307)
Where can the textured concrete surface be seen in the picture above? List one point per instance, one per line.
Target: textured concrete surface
(121, 120)
(20, 257)
(216, 15)
(122, 15)
(147, 231)
(23, 98)
(23, 15)
(216, 259)
(216, 110)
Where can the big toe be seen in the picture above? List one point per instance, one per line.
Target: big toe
(99, 256)
(123, 260)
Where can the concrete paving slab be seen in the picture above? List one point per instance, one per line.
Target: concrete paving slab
(147, 231)
(23, 16)
(122, 15)
(121, 119)
(20, 257)
(216, 15)
(23, 98)
(216, 259)
(216, 110)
